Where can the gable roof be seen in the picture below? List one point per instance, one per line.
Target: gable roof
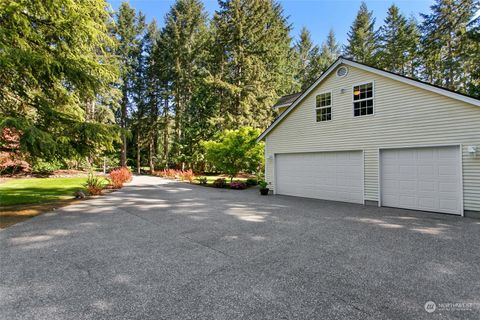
(341, 60)
(287, 100)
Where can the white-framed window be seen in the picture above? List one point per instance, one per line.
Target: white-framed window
(363, 99)
(323, 106)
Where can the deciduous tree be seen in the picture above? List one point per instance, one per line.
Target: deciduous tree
(235, 151)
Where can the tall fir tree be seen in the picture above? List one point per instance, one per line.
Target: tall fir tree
(253, 68)
(154, 91)
(57, 75)
(145, 92)
(445, 40)
(129, 30)
(184, 38)
(471, 54)
(308, 60)
(329, 51)
(398, 43)
(362, 39)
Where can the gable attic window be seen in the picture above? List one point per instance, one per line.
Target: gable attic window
(323, 107)
(363, 99)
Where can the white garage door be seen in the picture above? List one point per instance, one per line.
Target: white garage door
(334, 176)
(422, 178)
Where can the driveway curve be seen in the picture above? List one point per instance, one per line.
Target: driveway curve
(159, 249)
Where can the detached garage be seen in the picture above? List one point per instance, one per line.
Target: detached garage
(364, 135)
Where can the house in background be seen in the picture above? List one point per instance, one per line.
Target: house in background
(286, 101)
(365, 135)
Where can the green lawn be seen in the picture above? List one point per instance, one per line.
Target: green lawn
(210, 179)
(38, 190)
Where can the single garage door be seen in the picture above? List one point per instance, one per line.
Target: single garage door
(334, 176)
(422, 178)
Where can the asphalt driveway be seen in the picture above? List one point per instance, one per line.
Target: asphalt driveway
(166, 250)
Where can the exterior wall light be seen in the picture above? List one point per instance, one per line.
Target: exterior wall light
(472, 150)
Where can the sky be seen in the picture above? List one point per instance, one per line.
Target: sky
(318, 16)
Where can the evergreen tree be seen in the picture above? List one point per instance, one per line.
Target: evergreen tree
(57, 71)
(413, 62)
(362, 40)
(445, 40)
(184, 37)
(154, 91)
(253, 68)
(304, 50)
(471, 54)
(128, 30)
(398, 43)
(329, 52)
(332, 47)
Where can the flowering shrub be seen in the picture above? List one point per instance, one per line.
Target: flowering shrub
(168, 173)
(94, 185)
(184, 175)
(238, 185)
(119, 176)
(187, 175)
(220, 183)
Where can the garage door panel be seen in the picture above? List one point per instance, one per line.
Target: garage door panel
(334, 176)
(447, 170)
(431, 183)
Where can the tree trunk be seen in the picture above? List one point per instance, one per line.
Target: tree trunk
(150, 157)
(123, 127)
(165, 134)
(138, 155)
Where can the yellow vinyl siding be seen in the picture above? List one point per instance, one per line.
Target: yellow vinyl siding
(404, 116)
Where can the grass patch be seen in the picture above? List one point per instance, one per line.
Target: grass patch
(39, 190)
(210, 179)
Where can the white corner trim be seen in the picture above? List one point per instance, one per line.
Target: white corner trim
(425, 86)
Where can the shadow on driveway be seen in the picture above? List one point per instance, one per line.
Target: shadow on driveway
(159, 249)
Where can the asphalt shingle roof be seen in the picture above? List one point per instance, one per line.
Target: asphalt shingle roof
(287, 100)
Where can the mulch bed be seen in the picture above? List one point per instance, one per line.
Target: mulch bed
(14, 214)
(10, 215)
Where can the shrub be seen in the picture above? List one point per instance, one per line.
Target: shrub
(251, 182)
(11, 162)
(202, 180)
(94, 184)
(187, 175)
(220, 183)
(263, 184)
(42, 166)
(119, 176)
(238, 185)
(234, 151)
(169, 173)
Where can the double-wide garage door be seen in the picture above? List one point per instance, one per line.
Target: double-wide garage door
(334, 176)
(426, 179)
